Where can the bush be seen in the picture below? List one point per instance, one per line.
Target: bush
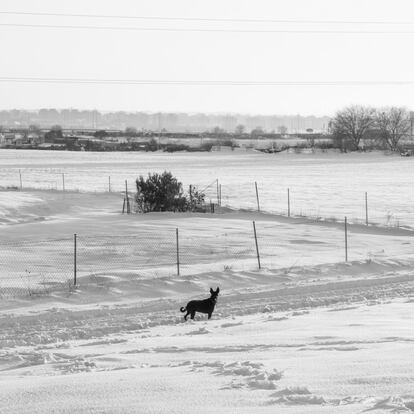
(176, 147)
(152, 145)
(163, 192)
(206, 146)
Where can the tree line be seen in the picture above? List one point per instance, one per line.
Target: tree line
(353, 126)
(170, 121)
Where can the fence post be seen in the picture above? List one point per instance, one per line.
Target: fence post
(346, 239)
(218, 200)
(178, 252)
(257, 197)
(220, 193)
(74, 259)
(288, 200)
(63, 181)
(366, 208)
(109, 183)
(128, 207)
(20, 176)
(257, 246)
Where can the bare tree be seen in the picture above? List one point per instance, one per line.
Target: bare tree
(282, 129)
(352, 123)
(256, 132)
(240, 129)
(393, 123)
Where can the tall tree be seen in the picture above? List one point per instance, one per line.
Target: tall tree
(257, 131)
(393, 123)
(352, 123)
(240, 129)
(282, 130)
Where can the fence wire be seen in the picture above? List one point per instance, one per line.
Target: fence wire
(326, 200)
(197, 248)
(29, 268)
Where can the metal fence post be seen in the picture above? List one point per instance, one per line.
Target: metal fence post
(257, 246)
(346, 239)
(63, 181)
(257, 197)
(288, 200)
(178, 252)
(74, 258)
(220, 193)
(128, 206)
(20, 176)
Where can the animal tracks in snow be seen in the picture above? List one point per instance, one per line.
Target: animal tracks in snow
(245, 374)
(254, 376)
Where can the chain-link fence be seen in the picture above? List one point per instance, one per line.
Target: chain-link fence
(156, 250)
(38, 267)
(318, 198)
(35, 267)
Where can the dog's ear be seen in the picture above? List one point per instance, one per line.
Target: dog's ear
(218, 290)
(211, 291)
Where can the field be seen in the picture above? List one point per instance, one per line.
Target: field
(306, 333)
(324, 185)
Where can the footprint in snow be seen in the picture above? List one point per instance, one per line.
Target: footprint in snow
(200, 331)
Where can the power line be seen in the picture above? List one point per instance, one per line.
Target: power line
(203, 82)
(215, 20)
(179, 29)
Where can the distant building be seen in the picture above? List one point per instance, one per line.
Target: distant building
(8, 138)
(117, 140)
(35, 139)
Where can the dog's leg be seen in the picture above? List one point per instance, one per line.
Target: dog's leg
(185, 316)
(192, 315)
(209, 315)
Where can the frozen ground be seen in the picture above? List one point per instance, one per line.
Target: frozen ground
(306, 334)
(322, 185)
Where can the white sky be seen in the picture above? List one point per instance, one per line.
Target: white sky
(80, 53)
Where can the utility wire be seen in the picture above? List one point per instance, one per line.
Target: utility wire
(203, 82)
(215, 20)
(179, 29)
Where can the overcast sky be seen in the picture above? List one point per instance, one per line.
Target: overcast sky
(262, 56)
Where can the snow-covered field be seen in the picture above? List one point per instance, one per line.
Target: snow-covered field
(308, 333)
(325, 185)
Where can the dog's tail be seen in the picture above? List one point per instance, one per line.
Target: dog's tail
(182, 309)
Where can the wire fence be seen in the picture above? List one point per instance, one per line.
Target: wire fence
(35, 267)
(331, 202)
(42, 266)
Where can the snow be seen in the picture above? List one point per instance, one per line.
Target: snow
(323, 185)
(256, 364)
(308, 333)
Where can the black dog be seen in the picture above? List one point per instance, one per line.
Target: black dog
(202, 306)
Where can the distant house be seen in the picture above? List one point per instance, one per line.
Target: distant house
(35, 139)
(19, 139)
(8, 138)
(118, 140)
(226, 148)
